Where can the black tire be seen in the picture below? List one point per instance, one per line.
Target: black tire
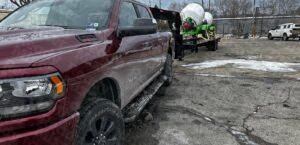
(285, 37)
(270, 37)
(101, 122)
(168, 70)
(213, 46)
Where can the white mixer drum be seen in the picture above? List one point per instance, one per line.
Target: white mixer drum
(194, 11)
(208, 17)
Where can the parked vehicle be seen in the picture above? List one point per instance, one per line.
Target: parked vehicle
(285, 31)
(73, 71)
(182, 42)
(198, 28)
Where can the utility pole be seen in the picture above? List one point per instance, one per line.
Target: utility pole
(254, 19)
(202, 3)
(209, 5)
(160, 3)
(261, 25)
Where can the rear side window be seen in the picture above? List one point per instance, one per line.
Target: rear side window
(127, 14)
(144, 13)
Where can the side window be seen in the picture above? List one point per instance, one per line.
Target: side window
(127, 14)
(284, 26)
(144, 13)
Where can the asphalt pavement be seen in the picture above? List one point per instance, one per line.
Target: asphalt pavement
(246, 93)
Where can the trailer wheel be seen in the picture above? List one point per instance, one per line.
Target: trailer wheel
(213, 46)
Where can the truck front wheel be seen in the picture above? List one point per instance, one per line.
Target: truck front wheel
(100, 123)
(270, 37)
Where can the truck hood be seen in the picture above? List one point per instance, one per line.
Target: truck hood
(23, 47)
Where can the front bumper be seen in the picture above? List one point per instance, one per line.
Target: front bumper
(60, 133)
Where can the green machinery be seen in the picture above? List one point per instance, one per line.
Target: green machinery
(203, 31)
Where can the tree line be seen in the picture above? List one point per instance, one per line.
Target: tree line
(233, 8)
(242, 8)
(20, 3)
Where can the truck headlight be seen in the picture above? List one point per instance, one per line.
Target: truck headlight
(28, 96)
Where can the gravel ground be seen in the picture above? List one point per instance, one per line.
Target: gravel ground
(229, 104)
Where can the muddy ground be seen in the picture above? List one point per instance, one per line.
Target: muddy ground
(228, 104)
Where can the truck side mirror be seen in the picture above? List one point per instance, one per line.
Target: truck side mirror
(141, 26)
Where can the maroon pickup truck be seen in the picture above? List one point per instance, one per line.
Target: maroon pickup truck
(73, 72)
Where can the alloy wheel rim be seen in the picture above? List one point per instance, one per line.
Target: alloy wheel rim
(102, 131)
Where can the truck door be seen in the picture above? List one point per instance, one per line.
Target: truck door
(156, 50)
(276, 31)
(137, 53)
(281, 30)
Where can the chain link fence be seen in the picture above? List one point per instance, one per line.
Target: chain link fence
(245, 27)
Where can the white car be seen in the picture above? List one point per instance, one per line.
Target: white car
(285, 31)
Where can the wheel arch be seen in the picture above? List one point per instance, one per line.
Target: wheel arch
(107, 88)
(171, 48)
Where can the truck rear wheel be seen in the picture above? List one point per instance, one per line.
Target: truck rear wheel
(168, 70)
(101, 122)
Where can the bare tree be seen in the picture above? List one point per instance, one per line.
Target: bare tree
(20, 3)
(288, 6)
(279, 7)
(177, 6)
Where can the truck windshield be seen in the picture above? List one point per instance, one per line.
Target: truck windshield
(69, 14)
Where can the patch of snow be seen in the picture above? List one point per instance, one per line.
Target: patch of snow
(251, 57)
(267, 66)
(214, 75)
(242, 137)
(208, 119)
(234, 132)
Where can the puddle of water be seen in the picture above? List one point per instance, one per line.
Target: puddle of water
(266, 66)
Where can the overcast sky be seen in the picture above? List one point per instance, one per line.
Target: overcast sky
(165, 3)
